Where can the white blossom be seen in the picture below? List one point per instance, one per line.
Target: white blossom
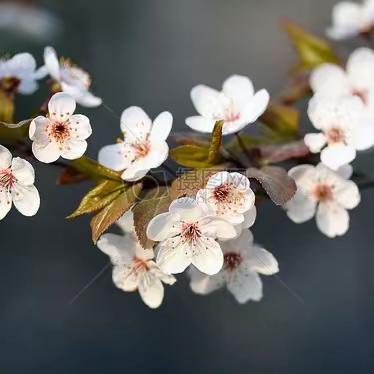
(350, 19)
(17, 185)
(144, 146)
(21, 71)
(229, 196)
(72, 79)
(345, 127)
(133, 266)
(356, 80)
(61, 133)
(243, 262)
(187, 235)
(323, 193)
(237, 104)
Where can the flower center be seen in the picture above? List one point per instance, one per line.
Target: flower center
(7, 179)
(361, 94)
(230, 114)
(323, 192)
(335, 135)
(73, 73)
(222, 192)
(60, 131)
(142, 149)
(231, 261)
(139, 265)
(9, 84)
(190, 231)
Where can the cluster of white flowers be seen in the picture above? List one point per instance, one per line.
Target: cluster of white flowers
(351, 19)
(342, 109)
(60, 133)
(208, 233)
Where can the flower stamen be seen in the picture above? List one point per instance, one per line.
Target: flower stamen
(232, 260)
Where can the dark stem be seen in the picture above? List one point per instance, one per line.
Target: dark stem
(243, 147)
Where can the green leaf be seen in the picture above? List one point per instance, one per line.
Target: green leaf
(155, 201)
(86, 168)
(276, 183)
(190, 138)
(201, 156)
(6, 107)
(214, 156)
(312, 50)
(282, 120)
(113, 211)
(99, 197)
(191, 156)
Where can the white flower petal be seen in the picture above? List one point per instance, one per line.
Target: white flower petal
(126, 222)
(27, 86)
(338, 154)
(245, 286)
(187, 208)
(204, 284)
(301, 207)
(172, 256)
(329, 79)
(125, 277)
(207, 256)
(202, 124)
(360, 68)
(238, 88)
(81, 95)
(256, 107)
(163, 226)
(135, 124)
(73, 149)
(116, 156)
(51, 62)
(161, 127)
(346, 18)
(206, 101)
(215, 227)
(23, 171)
(5, 158)
(61, 106)
(26, 199)
(46, 153)
(361, 137)
(261, 261)
(332, 219)
(151, 290)
(347, 194)
(121, 249)
(80, 126)
(5, 202)
(345, 171)
(315, 142)
(38, 130)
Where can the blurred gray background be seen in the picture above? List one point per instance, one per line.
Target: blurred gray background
(317, 317)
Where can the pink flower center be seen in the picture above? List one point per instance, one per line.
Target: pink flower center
(59, 131)
(190, 231)
(232, 260)
(142, 149)
(323, 192)
(222, 192)
(139, 265)
(230, 114)
(7, 179)
(335, 135)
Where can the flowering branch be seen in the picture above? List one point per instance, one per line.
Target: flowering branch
(198, 217)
